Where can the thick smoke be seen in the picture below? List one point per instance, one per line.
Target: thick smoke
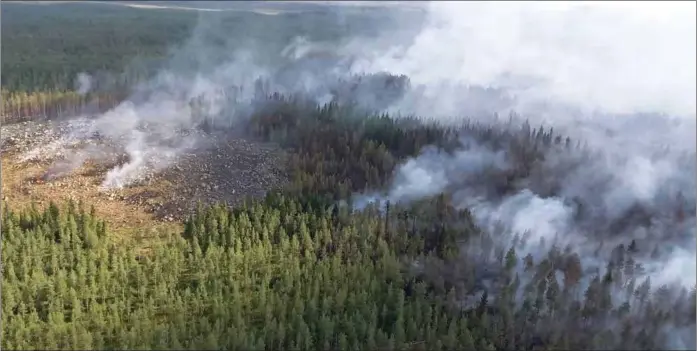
(613, 57)
(216, 80)
(434, 172)
(619, 77)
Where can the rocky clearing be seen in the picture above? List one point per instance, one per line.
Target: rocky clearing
(229, 170)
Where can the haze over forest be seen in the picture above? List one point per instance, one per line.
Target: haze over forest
(438, 175)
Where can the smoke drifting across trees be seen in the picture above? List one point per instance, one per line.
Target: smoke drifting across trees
(589, 71)
(603, 74)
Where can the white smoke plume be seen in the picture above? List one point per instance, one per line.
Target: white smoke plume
(618, 76)
(615, 57)
(434, 171)
(83, 83)
(155, 125)
(212, 78)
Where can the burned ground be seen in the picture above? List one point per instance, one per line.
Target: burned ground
(36, 168)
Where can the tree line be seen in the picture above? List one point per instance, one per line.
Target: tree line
(21, 106)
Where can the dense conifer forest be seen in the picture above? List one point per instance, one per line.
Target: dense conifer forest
(300, 268)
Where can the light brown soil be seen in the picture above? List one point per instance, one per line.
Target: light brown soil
(227, 172)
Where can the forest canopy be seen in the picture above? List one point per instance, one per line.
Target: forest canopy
(304, 267)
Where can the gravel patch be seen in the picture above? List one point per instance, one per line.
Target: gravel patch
(224, 169)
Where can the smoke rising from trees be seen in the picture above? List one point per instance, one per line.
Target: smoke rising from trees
(606, 75)
(617, 79)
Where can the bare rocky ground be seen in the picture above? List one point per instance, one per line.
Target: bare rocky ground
(228, 170)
